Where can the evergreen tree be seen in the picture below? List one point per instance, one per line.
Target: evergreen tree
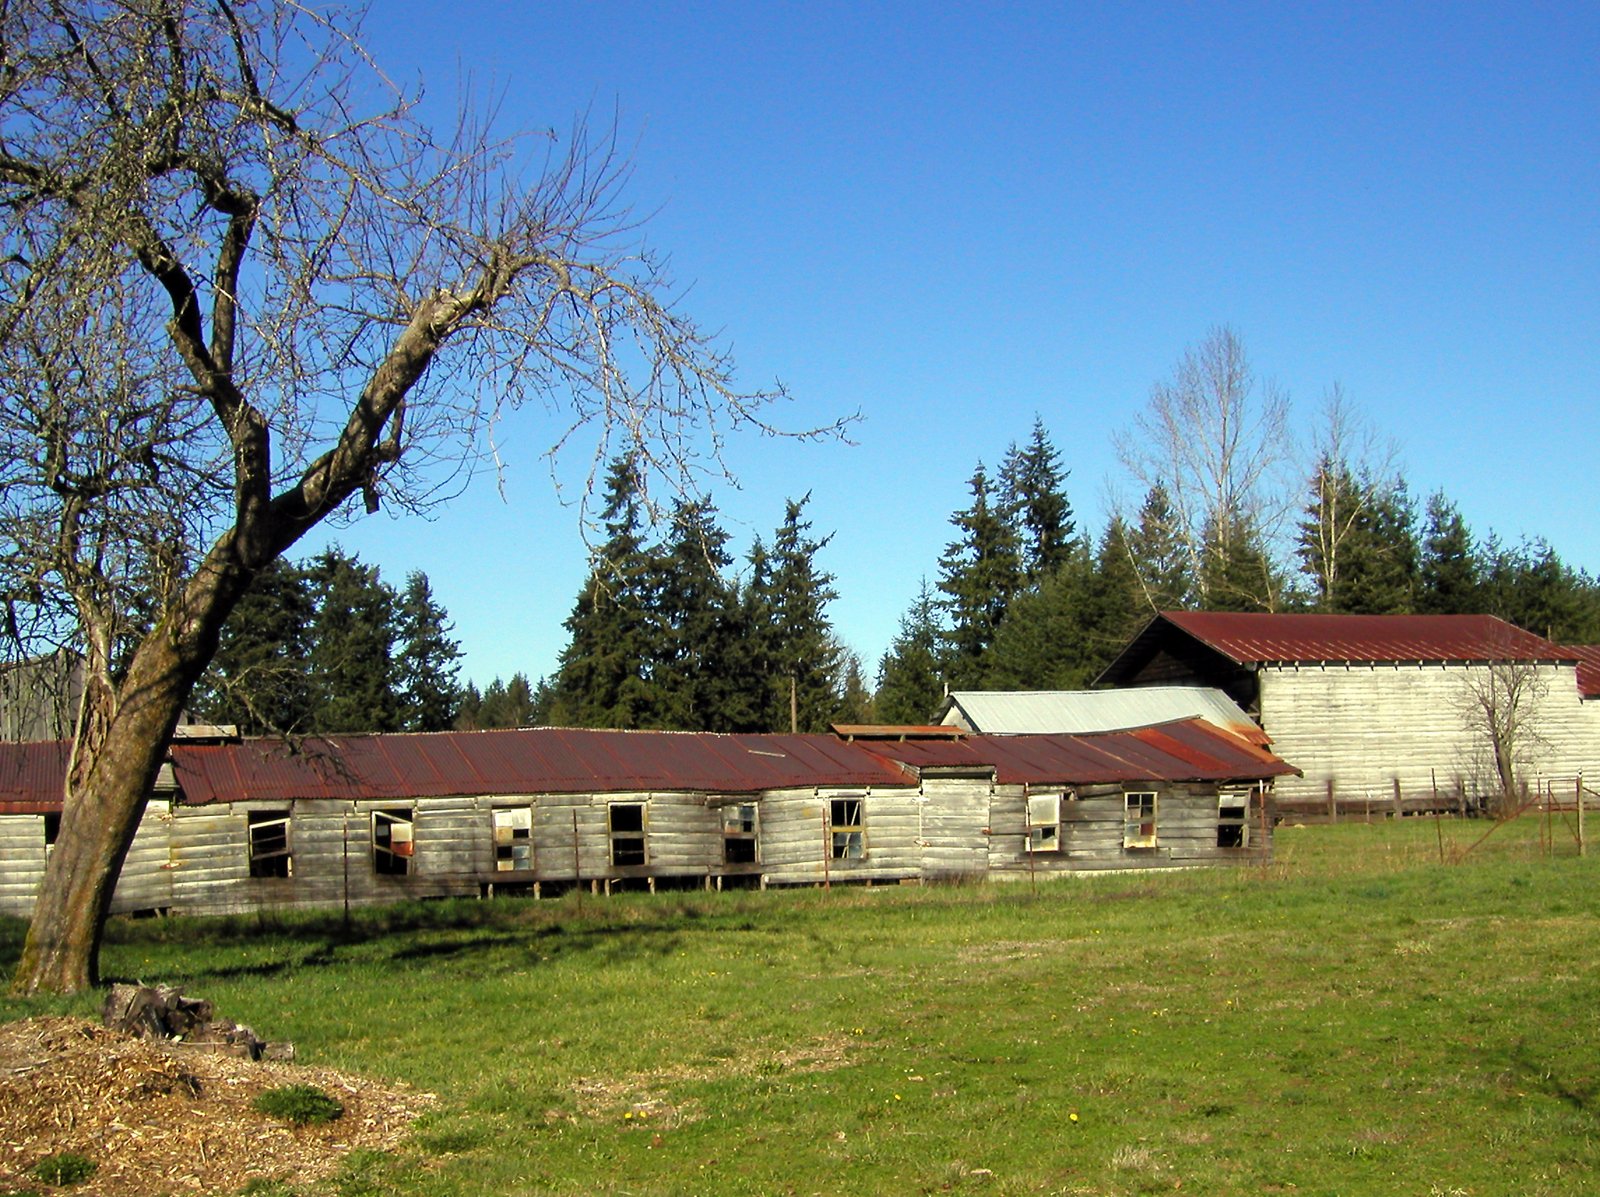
(352, 646)
(428, 663)
(1156, 552)
(789, 618)
(258, 679)
(910, 685)
(702, 674)
(980, 574)
(1358, 543)
(855, 701)
(1035, 502)
(1447, 576)
(1115, 604)
(507, 704)
(1237, 572)
(1042, 644)
(607, 676)
(469, 710)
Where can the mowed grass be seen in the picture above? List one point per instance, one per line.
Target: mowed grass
(1357, 1018)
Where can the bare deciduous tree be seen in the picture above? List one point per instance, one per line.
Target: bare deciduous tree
(241, 287)
(1501, 708)
(1218, 447)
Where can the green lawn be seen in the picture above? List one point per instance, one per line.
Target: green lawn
(1357, 1018)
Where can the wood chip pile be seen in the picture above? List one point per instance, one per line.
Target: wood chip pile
(156, 1118)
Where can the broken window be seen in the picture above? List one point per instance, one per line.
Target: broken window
(1044, 823)
(393, 842)
(52, 831)
(513, 839)
(269, 843)
(846, 828)
(627, 833)
(1233, 819)
(739, 843)
(1139, 828)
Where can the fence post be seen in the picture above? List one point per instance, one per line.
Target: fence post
(1399, 808)
(1333, 805)
(1580, 815)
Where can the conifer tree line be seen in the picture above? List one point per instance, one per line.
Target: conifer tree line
(1024, 599)
(325, 645)
(671, 631)
(667, 634)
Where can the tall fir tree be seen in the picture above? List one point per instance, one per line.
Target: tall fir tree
(1447, 576)
(1041, 644)
(980, 573)
(1157, 554)
(702, 676)
(1034, 499)
(910, 677)
(352, 646)
(259, 679)
(607, 676)
(1357, 543)
(428, 664)
(789, 619)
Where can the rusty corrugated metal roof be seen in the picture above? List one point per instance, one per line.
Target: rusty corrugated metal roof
(1588, 656)
(1186, 750)
(536, 760)
(546, 760)
(1256, 638)
(32, 777)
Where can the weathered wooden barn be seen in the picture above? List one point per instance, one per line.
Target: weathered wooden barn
(1377, 710)
(361, 819)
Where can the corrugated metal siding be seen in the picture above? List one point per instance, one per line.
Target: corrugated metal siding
(1251, 638)
(1018, 712)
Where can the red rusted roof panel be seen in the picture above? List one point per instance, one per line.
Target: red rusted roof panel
(1253, 639)
(1188, 750)
(32, 777)
(528, 761)
(1588, 667)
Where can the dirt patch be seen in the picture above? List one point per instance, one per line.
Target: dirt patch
(157, 1118)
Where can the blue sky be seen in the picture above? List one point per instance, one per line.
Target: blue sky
(953, 217)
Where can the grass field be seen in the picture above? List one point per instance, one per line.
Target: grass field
(1358, 1018)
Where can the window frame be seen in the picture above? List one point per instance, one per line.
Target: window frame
(256, 859)
(511, 831)
(1140, 831)
(747, 831)
(616, 838)
(847, 838)
(392, 855)
(1240, 799)
(1038, 840)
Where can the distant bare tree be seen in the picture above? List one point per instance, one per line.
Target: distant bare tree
(1501, 707)
(240, 287)
(1218, 446)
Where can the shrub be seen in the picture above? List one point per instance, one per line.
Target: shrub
(67, 1168)
(298, 1104)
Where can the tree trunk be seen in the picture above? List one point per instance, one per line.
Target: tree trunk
(120, 750)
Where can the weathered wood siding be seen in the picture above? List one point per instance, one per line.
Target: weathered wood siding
(1364, 727)
(145, 883)
(955, 821)
(795, 843)
(21, 862)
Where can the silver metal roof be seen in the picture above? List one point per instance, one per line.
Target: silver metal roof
(1016, 712)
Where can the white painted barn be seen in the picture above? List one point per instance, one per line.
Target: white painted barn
(1374, 708)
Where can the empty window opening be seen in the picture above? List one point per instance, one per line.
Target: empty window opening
(513, 839)
(847, 829)
(627, 833)
(52, 831)
(269, 844)
(393, 842)
(1139, 830)
(1044, 823)
(1233, 819)
(739, 835)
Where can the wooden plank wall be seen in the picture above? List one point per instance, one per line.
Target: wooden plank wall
(1365, 727)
